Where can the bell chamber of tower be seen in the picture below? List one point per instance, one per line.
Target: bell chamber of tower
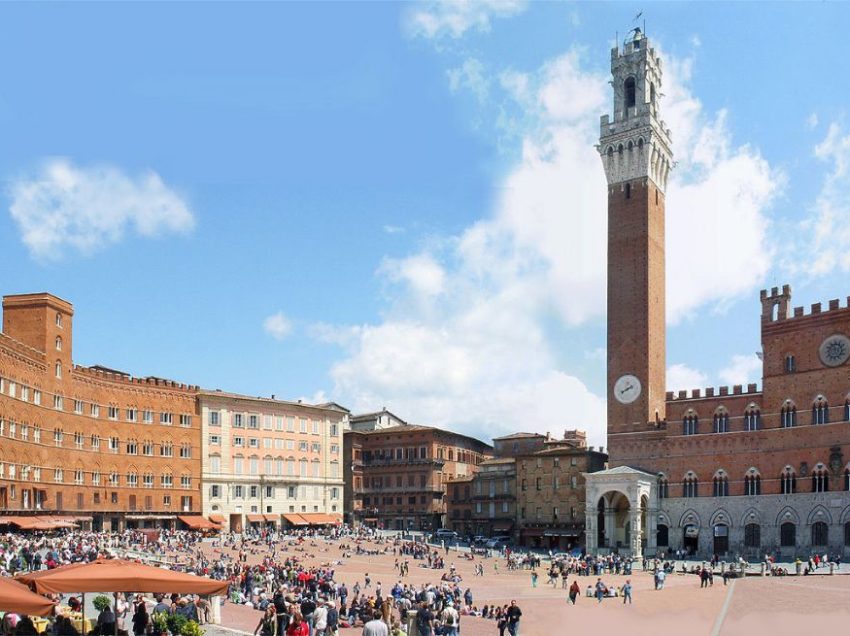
(636, 143)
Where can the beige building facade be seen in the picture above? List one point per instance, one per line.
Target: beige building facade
(270, 463)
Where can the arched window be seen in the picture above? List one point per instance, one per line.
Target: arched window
(663, 487)
(721, 421)
(690, 424)
(820, 479)
(629, 93)
(652, 93)
(610, 151)
(820, 411)
(752, 483)
(788, 415)
(820, 534)
(752, 535)
(790, 364)
(58, 369)
(662, 535)
(788, 481)
(721, 484)
(690, 486)
(847, 534)
(58, 343)
(788, 535)
(752, 419)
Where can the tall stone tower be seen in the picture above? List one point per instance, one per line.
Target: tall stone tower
(635, 151)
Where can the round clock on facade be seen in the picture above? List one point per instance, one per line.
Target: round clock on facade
(835, 350)
(627, 389)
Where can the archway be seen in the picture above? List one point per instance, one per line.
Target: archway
(721, 539)
(614, 522)
(690, 538)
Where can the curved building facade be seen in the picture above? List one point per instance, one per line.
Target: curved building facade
(89, 443)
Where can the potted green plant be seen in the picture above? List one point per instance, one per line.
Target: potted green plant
(191, 628)
(176, 622)
(159, 623)
(101, 602)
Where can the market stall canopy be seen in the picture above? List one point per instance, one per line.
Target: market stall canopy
(116, 575)
(16, 598)
(196, 522)
(256, 518)
(217, 518)
(296, 520)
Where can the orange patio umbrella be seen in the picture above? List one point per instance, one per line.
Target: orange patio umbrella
(117, 575)
(16, 598)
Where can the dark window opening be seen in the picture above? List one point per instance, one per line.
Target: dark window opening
(630, 92)
(628, 190)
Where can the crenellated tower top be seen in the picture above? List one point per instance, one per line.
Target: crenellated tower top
(637, 143)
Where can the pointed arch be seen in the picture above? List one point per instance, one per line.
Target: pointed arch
(819, 513)
(689, 518)
(787, 515)
(751, 515)
(721, 420)
(720, 516)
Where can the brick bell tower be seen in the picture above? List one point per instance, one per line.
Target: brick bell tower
(636, 155)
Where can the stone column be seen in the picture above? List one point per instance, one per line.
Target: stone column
(590, 531)
(652, 530)
(610, 528)
(637, 534)
(215, 610)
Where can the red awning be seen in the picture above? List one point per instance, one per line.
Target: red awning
(296, 520)
(255, 518)
(197, 522)
(217, 518)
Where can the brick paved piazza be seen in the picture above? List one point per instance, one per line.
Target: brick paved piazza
(754, 605)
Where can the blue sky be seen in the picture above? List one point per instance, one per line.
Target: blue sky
(399, 204)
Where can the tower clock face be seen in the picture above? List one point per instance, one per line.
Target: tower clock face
(835, 350)
(627, 389)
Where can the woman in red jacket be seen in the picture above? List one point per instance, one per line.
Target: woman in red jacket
(298, 627)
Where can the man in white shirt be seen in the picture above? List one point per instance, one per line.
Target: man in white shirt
(450, 619)
(320, 619)
(376, 627)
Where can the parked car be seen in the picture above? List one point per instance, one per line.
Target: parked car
(479, 539)
(444, 534)
(499, 542)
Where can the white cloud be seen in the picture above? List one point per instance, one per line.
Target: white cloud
(682, 377)
(479, 355)
(825, 233)
(64, 207)
(393, 229)
(422, 273)
(812, 121)
(436, 19)
(278, 326)
(469, 75)
(742, 369)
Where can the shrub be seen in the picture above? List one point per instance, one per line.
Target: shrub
(191, 628)
(176, 623)
(101, 602)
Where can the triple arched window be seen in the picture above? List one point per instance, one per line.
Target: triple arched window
(721, 484)
(752, 483)
(721, 421)
(820, 411)
(690, 486)
(788, 481)
(820, 479)
(788, 415)
(690, 424)
(752, 419)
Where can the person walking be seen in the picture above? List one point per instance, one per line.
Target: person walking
(513, 615)
(575, 590)
(533, 579)
(600, 590)
(140, 620)
(627, 592)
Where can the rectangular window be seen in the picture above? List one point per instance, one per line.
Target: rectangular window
(270, 492)
(215, 440)
(95, 442)
(255, 492)
(57, 402)
(303, 427)
(278, 444)
(147, 417)
(267, 422)
(166, 418)
(315, 427)
(290, 424)
(215, 464)
(253, 421)
(78, 407)
(238, 441)
(131, 415)
(113, 444)
(112, 412)
(316, 447)
(237, 420)
(253, 442)
(185, 482)
(36, 397)
(185, 421)
(335, 449)
(334, 430)
(95, 410)
(238, 492)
